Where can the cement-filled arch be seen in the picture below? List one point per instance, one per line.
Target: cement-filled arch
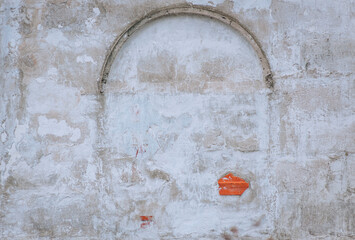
(178, 10)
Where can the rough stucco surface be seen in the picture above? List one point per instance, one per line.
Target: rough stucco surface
(184, 104)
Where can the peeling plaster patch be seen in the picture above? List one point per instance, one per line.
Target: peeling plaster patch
(57, 128)
(85, 59)
(19, 135)
(55, 37)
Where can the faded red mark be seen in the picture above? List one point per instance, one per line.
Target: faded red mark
(146, 221)
(232, 185)
(141, 150)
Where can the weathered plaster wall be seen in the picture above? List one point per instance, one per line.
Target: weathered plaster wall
(185, 103)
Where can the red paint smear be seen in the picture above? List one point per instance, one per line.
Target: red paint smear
(145, 224)
(232, 185)
(146, 218)
(146, 221)
(140, 150)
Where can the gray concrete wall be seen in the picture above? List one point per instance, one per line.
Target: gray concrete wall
(185, 103)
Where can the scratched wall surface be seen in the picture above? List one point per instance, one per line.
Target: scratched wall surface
(185, 103)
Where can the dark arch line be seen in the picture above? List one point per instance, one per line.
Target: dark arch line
(179, 10)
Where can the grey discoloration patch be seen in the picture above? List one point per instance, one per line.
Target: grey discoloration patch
(33, 59)
(159, 69)
(42, 222)
(28, 61)
(66, 14)
(63, 222)
(159, 174)
(243, 145)
(217, 69)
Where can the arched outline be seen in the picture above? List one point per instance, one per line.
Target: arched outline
(178, 10)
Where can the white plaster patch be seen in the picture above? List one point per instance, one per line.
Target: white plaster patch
(14, 153)
(55, 37)
(40, 80)
(91, 172)
(96, 11)
(9, 36)
(76, 135)
(19, 135)
(3, 134)
(238, 5)
(90, 21)
(56, 97)
(57, 128)
(78, 43)
(52, 127)
(3, 137)
(52, 71)
(251, 4)
(20, 132)
(85, 59)
(207, 2)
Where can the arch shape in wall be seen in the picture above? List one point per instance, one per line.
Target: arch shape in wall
(179, 10)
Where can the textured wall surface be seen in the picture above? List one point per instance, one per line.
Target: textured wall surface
(184, 104)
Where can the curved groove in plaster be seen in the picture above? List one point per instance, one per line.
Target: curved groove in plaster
(178, 10)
